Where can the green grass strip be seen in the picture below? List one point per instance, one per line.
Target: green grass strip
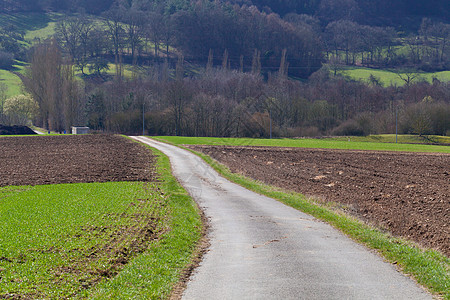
(347, 144)
(429, 267)
(390, 138)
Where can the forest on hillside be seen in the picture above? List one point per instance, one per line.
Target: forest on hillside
(231, 68)
(337, 32)
(407, 13)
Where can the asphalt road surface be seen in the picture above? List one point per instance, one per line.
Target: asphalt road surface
(262, 249)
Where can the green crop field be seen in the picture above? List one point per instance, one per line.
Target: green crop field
(348, 143)
(98, 240)
(402, 138)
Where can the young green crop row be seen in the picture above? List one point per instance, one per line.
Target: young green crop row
(377, 143)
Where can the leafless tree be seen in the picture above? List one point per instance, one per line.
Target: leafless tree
(50, 81)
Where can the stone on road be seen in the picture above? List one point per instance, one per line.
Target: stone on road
(263, 249)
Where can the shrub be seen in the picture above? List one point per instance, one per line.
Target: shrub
(349, 127)
(20, 109)
(6, 60)
(426, 117)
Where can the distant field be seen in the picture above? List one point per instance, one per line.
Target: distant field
(126, 70)
(306, 143)
(390, 138)
(390, 78)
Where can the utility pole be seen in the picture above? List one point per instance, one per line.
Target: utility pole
(270, 119)
(396, 123)
(143, 118)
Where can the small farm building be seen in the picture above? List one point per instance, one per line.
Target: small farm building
(80, 130)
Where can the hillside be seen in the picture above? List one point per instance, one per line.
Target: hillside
(224, 69)
(399, 13)
(371, 34)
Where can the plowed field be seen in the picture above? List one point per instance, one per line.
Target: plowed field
(407, 194)
(40, 160)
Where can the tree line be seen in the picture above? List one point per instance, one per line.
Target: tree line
(396, 13)
(219, 101)
(141, 32)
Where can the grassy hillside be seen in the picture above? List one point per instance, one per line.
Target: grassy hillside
(387, 77)
(12, 82)
(28, 21)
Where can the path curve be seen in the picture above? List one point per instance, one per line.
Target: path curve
(263, 249)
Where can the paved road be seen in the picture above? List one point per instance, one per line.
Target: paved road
(262, 249)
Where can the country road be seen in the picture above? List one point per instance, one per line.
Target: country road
(262, 249)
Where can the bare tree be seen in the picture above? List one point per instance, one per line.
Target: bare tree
(155, 30)
(113, 20)
(134, 31)
(74, 35)
(256, 62)
(50, 81)
(283, 70)
(3, 95)
(408, 76)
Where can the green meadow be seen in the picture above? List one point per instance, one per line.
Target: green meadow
(387, 77)
(12, 82)
(349, 143)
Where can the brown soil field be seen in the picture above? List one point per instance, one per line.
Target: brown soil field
(36, 160)
(407, 194)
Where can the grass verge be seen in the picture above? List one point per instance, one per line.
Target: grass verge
(428, 267)
(347, 144)
(119, 240)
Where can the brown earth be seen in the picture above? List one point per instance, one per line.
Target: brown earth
(407, 194)
(36, 160)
